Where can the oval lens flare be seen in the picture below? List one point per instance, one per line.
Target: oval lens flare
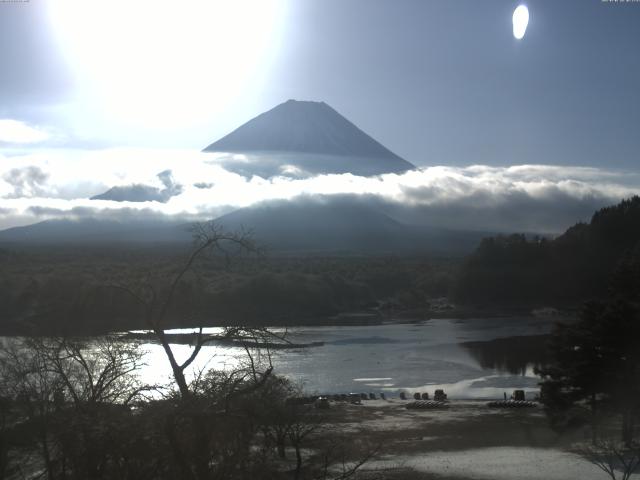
(520, 21)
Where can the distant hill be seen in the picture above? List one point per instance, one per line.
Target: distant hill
(343, 225)
(143, 193)
(329, 226)
(93, 231)
(134, 193)
(306, 138)
(580, 264)
(317, 226)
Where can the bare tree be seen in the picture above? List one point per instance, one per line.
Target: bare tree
(338, 461)
(78, 394)
(299, 429)
(205, 412)
(99, 372)
(208, 239)
(26, 380)
(613, 457)
(65, 391)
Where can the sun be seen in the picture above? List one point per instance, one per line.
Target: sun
(520, 21)
(152, 62)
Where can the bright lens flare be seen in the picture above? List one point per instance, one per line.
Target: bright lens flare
(520, 21)
(163, 63)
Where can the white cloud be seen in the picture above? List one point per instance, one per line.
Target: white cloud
(545, 198)
(15, 131)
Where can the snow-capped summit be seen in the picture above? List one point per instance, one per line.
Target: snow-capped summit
(305, 138)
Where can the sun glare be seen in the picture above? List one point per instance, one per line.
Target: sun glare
(163, 63)
(520, 21)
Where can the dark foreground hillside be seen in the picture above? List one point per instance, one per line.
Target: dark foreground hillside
(578, 265)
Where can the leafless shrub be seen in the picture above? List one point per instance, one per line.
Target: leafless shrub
(615, 458)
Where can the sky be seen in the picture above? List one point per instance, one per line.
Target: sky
(444, 84)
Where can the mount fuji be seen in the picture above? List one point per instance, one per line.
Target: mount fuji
(296, 138)
(303, 138)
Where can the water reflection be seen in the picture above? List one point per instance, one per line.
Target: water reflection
(471, 358)
(156, 369)
(515, 355)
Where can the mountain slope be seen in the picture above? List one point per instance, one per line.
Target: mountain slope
(311, 137)
(343, 225)
(143, 193)
(315, 226)
(94, 231)
(134, 193)
(329, 226)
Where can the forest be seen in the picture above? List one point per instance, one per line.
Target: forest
(578, 265)
(79, 291)
(60, 289)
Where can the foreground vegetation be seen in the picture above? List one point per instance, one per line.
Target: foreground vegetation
(74, 410)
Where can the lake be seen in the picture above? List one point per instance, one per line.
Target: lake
(478, 358)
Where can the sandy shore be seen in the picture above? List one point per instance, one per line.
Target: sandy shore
(466, 441)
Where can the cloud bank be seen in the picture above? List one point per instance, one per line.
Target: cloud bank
(17, 132)
(193, 185)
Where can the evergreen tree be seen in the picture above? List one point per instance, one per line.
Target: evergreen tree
(596, 368)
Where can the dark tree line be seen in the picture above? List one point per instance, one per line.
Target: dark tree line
(591, 375)
(596, 368)
(575, 267)
(593, 379)
(64, 293)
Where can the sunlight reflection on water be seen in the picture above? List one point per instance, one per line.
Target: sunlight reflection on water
(389, 357)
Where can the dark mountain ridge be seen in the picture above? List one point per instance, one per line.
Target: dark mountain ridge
(97, 231)
(307, 226)
(343, 225)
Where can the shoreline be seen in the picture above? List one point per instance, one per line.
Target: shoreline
(466, 441)
(368, 317)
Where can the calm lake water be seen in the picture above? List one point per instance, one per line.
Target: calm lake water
(470, 358)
